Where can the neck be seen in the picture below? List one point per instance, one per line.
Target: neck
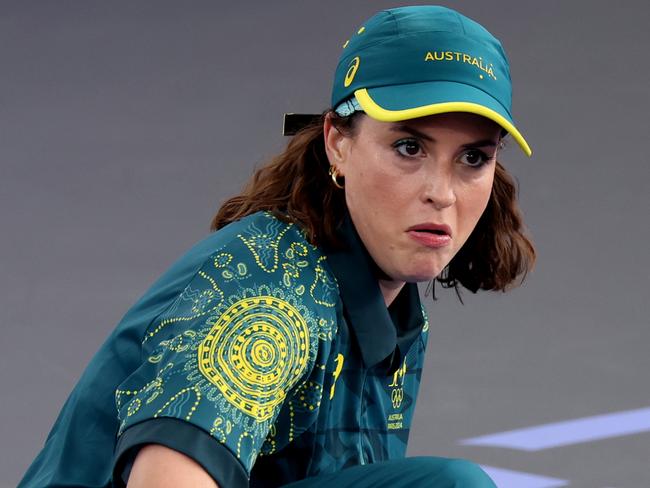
(390, 289)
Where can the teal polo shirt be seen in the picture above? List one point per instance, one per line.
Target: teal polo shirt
(262, 357)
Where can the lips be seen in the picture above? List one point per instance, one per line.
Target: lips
(430, 234)
(438, 229)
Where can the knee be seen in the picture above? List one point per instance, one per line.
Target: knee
(456, 473)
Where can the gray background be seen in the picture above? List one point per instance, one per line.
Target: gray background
(123, 125)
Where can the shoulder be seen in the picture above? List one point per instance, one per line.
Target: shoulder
(266, 241)
(263, 248)
(257, 263)
(260, 237)
(257, 248)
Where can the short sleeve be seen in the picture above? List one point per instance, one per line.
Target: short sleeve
(219, 363)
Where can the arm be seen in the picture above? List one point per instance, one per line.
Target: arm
(161, 467)
(203, 387)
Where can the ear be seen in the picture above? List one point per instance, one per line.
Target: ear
(337, 145)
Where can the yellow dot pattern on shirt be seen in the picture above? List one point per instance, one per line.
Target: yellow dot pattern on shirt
(265, 248)
(270, 447)
(323, 287)
(218, 428)
(292, 414)
(133, 407)
(178, 395)
(213, 298)
(222, 260)
(119, 393)
(242, 437)
(255, 352)
(310, 395)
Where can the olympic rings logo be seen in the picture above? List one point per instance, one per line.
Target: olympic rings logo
(397, 396)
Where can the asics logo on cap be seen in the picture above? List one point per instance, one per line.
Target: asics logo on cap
(352, 70)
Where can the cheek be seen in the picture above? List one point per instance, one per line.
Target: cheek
(377, 184)
(474, 201)
(370, 186)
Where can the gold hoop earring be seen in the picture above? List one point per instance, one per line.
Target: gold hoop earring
(334, 173)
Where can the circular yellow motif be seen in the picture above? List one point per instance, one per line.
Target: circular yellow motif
(263, 353)
(352, 70)
(255, 353)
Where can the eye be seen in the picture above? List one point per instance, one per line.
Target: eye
(408, 147)
(474, 158)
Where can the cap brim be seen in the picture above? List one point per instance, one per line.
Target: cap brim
(401, 102)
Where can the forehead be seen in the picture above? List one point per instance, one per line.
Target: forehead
(452, 123)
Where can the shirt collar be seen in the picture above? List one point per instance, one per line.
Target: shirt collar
(378, 329)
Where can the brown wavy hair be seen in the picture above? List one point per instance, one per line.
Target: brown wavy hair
(295, 186)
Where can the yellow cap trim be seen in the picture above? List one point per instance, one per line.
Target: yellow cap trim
(376, 112)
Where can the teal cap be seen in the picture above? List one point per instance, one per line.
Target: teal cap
(410, 62)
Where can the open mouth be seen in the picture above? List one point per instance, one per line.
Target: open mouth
(431, 234)
(439, 232)
(430, 228)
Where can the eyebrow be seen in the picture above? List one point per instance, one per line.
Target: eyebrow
(481, 143)
(410, 130)
(416, 133)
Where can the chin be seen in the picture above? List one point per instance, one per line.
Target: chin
(420, 274)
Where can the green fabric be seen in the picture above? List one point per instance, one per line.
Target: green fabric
(255, 355)
(415, 472)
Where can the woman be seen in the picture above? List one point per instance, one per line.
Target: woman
(288, 345)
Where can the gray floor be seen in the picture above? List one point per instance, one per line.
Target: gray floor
(124, 124)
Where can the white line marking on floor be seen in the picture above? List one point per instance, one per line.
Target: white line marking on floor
(568, 432)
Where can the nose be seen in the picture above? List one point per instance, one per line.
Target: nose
(438, 186)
